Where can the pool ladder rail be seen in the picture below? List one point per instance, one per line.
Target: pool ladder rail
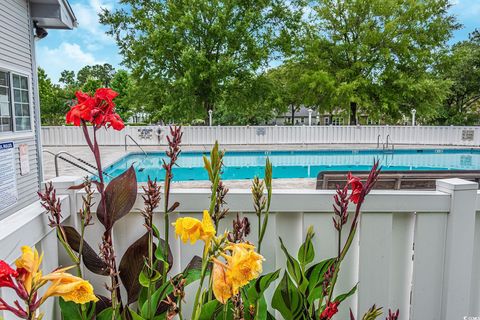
(83, 164)
(127, 136)
(386, 148)
(386, 145)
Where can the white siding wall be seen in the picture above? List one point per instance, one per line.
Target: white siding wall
(16, 55)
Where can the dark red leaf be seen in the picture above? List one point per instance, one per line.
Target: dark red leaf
(173, 207)
(120, 196)
(80, 186)
(90, 258)
(132, 264)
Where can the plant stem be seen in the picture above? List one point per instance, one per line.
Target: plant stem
(166, 222)
(344, 251)
(339, 242)
(108, 233)
(150, 271)
(225, 311)
(259, 231)
(196, 310)
(180, 316)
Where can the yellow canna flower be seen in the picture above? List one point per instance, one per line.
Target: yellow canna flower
(244, 264)
(222, 284)
(208, 229)
(193, 229)
(69, 287)
(28, 267)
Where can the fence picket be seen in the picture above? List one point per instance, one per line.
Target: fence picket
(72, 136)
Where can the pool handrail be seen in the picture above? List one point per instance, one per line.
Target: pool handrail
(131, 138)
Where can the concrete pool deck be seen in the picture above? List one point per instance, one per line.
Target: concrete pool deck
(111, 154)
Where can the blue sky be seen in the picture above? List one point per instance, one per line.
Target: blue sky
(88, 44)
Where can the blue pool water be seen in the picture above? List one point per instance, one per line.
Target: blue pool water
(298, 164)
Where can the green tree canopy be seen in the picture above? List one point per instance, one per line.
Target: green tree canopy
(192, 52)
(462, 68)
(375, 55)
(53, 102)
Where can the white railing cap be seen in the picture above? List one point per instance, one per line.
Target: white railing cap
(456, 184)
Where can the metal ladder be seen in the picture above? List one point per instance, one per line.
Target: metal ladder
(386, 148)
(59, 155)
(131, 138)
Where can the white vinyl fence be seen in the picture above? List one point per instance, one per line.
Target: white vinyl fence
(238, 135)
(418, 251)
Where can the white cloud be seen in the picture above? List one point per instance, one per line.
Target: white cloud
(68, 56)
(89, 28)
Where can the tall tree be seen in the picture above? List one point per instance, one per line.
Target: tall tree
(376, 55)
(102, 73)
(462, 67)
(67, 77)
(53, 103)
(192, 51)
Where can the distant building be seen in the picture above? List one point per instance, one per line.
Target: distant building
(300, 117)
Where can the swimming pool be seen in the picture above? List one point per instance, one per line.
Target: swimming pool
(298, 164)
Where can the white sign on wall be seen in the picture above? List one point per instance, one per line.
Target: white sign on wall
(8, 180)
(24, 159)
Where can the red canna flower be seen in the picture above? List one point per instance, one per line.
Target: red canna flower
(330, 310)
(106, 94)
(115, 121)
(357, 187)
(98, 110)
(6, 274)
(82, 110)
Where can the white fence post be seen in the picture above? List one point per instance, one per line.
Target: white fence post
(459, 246)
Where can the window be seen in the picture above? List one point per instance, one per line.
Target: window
(14, 102)
(5, 114)
(21, 103)
(337, 121)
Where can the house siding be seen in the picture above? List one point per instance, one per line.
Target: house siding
(16, 55)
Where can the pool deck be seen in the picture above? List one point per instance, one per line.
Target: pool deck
(111, 154)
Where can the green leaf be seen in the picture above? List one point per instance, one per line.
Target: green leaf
(316, 273)
(144, 280)
(288, 300)
(106, 314)
(120, 196)
(258, 287)
(315, 293)
(193, 270)
(262, 309)
(344, 296)
(159, 295)
(156, 233)
(294, 269)
(209, 309)
(134, 315)
(306, 253)
(70, 310)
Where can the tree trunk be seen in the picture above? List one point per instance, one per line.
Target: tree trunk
(293, 115)
(353, 113)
